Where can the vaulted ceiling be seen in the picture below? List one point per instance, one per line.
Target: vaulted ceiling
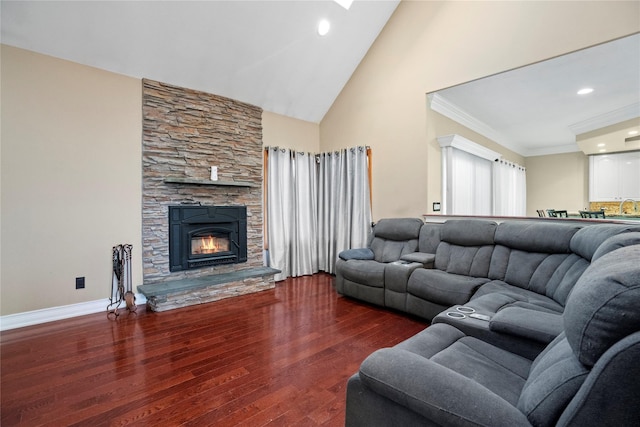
(267, 53)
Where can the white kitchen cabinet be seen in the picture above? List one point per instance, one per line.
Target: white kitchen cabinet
(614, 177)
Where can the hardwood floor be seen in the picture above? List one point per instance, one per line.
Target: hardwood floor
(279, 357)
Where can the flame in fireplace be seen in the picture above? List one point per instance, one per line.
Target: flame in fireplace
(209, 245)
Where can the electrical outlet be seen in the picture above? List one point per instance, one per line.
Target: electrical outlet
(79, 282)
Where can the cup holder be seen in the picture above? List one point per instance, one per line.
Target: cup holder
(455, 315)
(466, 310)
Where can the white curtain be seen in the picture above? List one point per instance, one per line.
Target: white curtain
(471, 184)
(317, 206)
(509, 189)
(344, 205)
(292, 212)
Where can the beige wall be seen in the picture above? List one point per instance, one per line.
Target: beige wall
(287, 132)
(427, 46)
(71, 150)
(71, 180)
(559, 181)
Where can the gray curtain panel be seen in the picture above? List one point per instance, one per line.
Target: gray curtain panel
(318, 206)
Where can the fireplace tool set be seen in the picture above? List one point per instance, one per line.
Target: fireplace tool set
(121, 281)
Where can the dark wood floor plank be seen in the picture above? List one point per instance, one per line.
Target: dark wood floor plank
(277, 357)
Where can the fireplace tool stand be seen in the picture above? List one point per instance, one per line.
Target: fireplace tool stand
(121, 290)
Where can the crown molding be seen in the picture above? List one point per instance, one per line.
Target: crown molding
(557, 149)
(448, 109)
(445, 107)
(616, 116)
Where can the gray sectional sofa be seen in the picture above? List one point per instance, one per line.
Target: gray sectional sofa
(513, 308)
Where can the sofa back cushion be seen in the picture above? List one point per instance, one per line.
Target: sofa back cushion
(603, 306)
(543, 237)
(394, 237)
(616, 242)
(465, 247)
(429, 238)
(567, 275)
(466, 260)
(535, 256)
(554, 378)
(468, 232)
(398, 229)
(527, 270)
(587, 240)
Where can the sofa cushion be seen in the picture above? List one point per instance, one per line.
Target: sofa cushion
(468, 232)
(554, 378)
(398, 228)
(392, 250)
(565, 277)
(359, 253)
(495, 295)
(429, 238)
(443, 288)
(360, 271)
(442, 354)
(603, 306)
(616, 242)
(546, 237)
(467, 260)
(587, 240)
(538, 325)
(532, 271)
(540, 272)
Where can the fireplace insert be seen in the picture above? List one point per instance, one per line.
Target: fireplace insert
(202, 236)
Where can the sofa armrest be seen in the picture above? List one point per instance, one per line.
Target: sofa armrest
(360, 253)
(427, 260)
(434, 391)
(537, 325)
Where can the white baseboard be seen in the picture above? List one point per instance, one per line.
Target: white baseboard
(28, 318)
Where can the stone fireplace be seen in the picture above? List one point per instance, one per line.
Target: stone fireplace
(185, 134)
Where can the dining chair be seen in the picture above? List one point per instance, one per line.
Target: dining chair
(593, 214)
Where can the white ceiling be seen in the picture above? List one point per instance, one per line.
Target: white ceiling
(266, 53)
(535, 110)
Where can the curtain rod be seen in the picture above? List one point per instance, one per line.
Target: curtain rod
(276, 148)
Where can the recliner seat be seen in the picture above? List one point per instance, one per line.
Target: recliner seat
(361, 273)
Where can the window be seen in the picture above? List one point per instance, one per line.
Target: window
(474, 183)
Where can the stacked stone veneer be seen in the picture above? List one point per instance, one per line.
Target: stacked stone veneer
(185, 132)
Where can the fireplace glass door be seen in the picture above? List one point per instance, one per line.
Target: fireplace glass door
(209, 243)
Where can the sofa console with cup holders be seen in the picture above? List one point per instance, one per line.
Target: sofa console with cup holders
(497, 296)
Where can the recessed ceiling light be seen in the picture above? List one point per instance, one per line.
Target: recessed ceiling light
(602, 150)
(633, 132)
(585, 90)
(323, 27)
(601, 144)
